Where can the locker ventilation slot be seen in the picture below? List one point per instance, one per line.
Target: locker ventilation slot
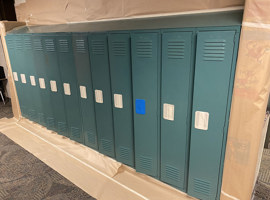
(119, 48)
(106, 145)
(41, 118)
(80, 46)
(64, 46)
(62, 127)
(37, 44)
(91, 137)
(10, 43)
(27, 43)
(173, 173)
(49, 43)
(144, 49)
(201, 187)
(146, 163)
(124, 153)
(98, 47)
(75, 132)
(50, 122)
(32, 114)
(214, 50)
(176, 49)
(19, 44)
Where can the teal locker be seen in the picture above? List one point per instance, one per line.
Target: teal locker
(55, 86)
(176, 90)
(213, 71)
(99, 59)
(36, 107)
(146, 96)
(121, 84)
(82, 63)
(43, 83)
(15, 50)
(69, 80)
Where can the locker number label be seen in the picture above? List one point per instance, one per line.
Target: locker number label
(99, 96)
(83, 92)
(42, 83)
(67, 89)
(201, 120)
(168, 111)
(15, 76)
(33, 80)
(23, 78)
(53, 86)
(118, 100)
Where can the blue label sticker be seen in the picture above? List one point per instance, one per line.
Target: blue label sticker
(140, 106)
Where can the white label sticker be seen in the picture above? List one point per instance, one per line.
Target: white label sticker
(118, 101)
(201, 120)
(15, 76)
(168, 111)
(99, 96)
(53, 86)
(23, 78)
(67, 89)
(33, 80)
(42, 83)
(83, 92)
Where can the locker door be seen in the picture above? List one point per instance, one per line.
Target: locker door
(146, 96)
(43, 83)
(101, 85)
(213, 69)
(69, 80)
(55, 85)
(81, 55)
(15, 46)
(36, 108)
(176, 93)
(121, 83)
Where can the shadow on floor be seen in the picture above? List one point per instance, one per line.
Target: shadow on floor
(5, 109)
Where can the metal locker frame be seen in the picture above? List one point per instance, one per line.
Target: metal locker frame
(121, 84)
(82, 65)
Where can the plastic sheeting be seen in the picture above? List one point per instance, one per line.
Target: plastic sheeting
(250, 96)
(65, 11)
(98, 175)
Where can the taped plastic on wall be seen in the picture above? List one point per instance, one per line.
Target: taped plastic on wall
(65, 11)
(250, 96)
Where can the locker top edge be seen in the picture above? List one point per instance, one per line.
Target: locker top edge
(224, 19)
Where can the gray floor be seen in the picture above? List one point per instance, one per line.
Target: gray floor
(5, 110)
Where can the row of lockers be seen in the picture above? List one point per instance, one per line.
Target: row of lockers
(133, 96)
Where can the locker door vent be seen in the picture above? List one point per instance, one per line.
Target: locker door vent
(214, 50)
(106, 145)
(41, 118)
(80, 46)
(146, 163)
(27, 44)
(173, 173)
(49, 44)
(176, 49)
(32, 114)
(50, 122)
(144, 49)
(202, 187)
(10, 43)
(64, 46)
(37, 45)
(62, 127)
(119, 48)
(75, 132)
(98, 47)
(91, 137)
(124, 152)
(19, 44)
